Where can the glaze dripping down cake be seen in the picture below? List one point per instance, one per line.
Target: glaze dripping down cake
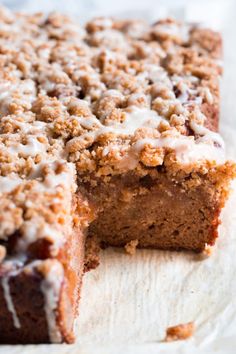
(108, 137)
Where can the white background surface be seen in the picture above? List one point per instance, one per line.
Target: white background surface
(128, 302)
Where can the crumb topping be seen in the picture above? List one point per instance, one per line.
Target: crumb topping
(39, 207)
(114, 96)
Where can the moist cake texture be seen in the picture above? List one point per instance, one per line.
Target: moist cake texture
(108, 137)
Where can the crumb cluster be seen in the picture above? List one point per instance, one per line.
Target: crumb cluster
(180, 332)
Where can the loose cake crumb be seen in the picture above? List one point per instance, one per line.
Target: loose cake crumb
(180, 332)
(131, 246)
(208, 251)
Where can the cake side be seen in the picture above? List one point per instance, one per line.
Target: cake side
(160, 210)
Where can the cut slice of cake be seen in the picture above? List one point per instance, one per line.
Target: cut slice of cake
(108, 137)
(42, 247)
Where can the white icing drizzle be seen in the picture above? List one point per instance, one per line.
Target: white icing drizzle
(104, 22)
(183, 85)
(31, 148)
(8, 90)
(135, 118)
(9, 183)
(51, 181)
(36, 227)
(208, 95)
(26, 127)
(9, 301)
(187, 150)
(157, 75)
(110, 38)
(50, 287)
(173, 29)
(206, 134)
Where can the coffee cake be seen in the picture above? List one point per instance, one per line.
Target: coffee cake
(108, 137)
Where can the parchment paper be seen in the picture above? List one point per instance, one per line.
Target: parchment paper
(129, 301)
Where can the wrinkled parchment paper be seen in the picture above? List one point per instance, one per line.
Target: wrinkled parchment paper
(129, 301)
